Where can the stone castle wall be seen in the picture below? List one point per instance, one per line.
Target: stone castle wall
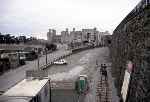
(131, 42)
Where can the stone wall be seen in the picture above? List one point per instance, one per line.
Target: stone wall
(130, 42)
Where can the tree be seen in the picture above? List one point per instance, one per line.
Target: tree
(7, 38)
(17, 40)
(1, 38)
(23, 39)
(12, 40)
(52, 47)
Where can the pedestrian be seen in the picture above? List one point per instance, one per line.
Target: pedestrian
(101, 69)
(104, 66)
(105, 74)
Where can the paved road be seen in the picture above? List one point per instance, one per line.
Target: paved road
(80, 63)
(84, 61)
(10, 78)
(64, 96)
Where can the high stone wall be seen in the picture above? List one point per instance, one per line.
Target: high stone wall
(131, 42)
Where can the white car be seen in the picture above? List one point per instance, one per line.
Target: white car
(62, 61)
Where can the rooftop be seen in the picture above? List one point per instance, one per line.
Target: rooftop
(27, 88)
(14, 99)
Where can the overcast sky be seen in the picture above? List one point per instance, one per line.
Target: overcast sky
(37, 16)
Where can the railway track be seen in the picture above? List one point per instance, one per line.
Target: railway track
(103, 93)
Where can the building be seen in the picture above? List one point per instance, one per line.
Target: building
(57, 39)
(12, 60)
(104, 38)
(51, 35)
(15, 99)
(4, 65)
(35, 90)
(100, 39)
(90, 35)
(78, 36)
(75, 36)
(65, 37)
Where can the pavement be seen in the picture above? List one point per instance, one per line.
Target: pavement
(103, 57)
(10, 78)
(62, 95)
(114, 96)
(95, 75)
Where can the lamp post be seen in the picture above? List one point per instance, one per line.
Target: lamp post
(38, 61)
(46, 56)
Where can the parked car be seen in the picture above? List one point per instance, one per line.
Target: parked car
(59, 62)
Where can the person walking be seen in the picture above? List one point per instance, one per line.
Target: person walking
(104, 70)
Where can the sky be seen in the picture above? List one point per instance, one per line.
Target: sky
(35, 17)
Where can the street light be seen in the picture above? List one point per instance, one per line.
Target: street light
(38, 61)
(46, 56)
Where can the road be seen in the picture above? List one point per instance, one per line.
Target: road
(80, 63)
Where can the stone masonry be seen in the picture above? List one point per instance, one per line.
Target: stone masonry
(131, 42)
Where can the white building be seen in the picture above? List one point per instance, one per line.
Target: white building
(90, 35)
(100, 38)
(75, 36)
(36, 90)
